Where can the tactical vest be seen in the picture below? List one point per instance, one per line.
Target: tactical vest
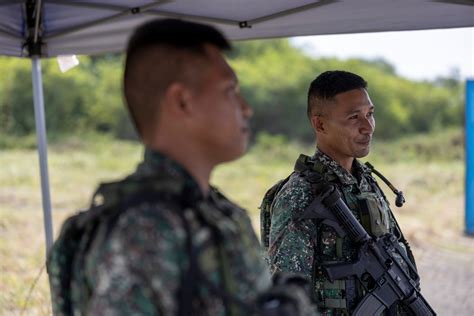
(68, 255)
(369, 206)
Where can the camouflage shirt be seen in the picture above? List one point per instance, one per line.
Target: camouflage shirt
(302, 246)
(140, 266)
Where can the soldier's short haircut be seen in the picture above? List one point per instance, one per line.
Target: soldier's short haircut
(329, 84)
(160, 53)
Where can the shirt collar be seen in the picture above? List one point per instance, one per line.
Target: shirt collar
(156, 163)
(344, 176)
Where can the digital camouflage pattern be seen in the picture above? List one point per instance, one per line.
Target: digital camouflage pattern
(138, 265)
(303, 246)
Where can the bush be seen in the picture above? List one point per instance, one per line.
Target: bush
(274, 78)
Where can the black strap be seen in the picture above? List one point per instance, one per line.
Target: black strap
(400, 199)
(188, 290)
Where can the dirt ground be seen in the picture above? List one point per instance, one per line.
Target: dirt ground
(447, 278)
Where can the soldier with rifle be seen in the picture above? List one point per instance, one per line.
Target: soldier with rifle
(367, 271)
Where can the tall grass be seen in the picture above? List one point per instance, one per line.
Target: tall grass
(428, 168)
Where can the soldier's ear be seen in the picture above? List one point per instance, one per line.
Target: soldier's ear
(317, 122)
(177, 99)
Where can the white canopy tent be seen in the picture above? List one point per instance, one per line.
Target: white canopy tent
(99, 26)
(36, 29)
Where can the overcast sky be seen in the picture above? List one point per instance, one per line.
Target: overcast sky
(415, 54)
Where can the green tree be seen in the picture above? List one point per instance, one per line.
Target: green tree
(274, 78)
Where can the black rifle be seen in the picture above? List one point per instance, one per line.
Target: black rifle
(379, 263)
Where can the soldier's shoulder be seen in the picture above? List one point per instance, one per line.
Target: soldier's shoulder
(145, 232)
(296, 185)
(224, 202)
(155, 197)
(139, 220)
(295, 194)
(163, 214)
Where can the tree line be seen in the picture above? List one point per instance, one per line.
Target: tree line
(274, 78)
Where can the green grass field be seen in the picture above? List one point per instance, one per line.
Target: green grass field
(429, 170)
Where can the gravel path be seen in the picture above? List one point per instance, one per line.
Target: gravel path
(447, 280)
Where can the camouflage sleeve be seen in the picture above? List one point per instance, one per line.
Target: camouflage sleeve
(291, 242)
(139, 267)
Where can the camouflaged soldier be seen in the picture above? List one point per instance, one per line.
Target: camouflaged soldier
(163, 241)
(342, 116)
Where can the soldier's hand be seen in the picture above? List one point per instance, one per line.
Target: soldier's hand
(289, 296)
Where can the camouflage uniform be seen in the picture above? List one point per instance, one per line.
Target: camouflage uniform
(304, 245)
(140, 264)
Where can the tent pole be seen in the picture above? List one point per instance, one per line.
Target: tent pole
(42, 150)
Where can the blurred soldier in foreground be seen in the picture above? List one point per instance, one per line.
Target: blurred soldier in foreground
(302, 236)
(163, 241)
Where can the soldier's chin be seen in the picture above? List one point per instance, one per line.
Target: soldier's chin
(362, 153)
(236, 152)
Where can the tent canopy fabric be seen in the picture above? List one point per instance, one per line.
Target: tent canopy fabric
(92, 27)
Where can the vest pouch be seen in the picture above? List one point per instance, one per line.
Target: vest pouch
(333, 295)
(374, 214)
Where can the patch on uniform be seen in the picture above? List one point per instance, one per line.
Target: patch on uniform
(328, 242)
